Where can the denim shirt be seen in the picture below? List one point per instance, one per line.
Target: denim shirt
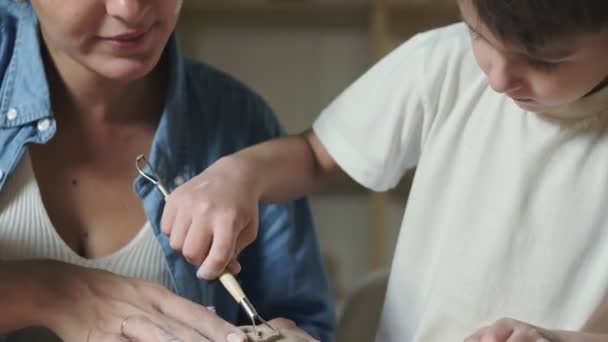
(207, 115)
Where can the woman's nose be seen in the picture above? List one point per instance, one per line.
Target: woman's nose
(129, 11)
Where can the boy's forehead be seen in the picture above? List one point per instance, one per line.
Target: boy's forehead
(557, 47)
(553, 50)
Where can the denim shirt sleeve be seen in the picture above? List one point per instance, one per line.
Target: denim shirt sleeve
(283, 274)
(212, 115)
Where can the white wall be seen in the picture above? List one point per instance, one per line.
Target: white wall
(298, 70)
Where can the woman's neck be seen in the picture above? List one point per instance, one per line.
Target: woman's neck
(83, 94)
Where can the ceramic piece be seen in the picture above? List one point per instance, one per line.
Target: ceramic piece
(268, 336)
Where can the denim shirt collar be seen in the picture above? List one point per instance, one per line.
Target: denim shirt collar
(25, 91)
(168, 154)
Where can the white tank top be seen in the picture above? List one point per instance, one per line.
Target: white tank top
(26, 232)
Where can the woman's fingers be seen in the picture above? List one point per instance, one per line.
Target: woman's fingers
(97, 336)
(201, 319)
(141, 329)
(111, 308)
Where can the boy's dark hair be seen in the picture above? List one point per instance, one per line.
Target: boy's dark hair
(533, 23)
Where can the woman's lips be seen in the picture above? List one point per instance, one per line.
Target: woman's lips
(127, 40)
(128, 36)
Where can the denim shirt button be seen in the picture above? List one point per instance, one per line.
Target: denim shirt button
(44, 124)
(11, 114)
(179, 180)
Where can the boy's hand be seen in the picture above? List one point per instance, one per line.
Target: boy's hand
(213, 217)
(510, 330)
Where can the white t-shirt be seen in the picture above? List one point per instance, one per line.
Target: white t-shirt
(508, 212)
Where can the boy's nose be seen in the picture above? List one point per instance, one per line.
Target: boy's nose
(503, 77)
(129, 11)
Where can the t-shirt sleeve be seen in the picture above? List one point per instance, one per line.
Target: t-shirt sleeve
(374, 130)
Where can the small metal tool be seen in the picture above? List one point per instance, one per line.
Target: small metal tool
(226, 278)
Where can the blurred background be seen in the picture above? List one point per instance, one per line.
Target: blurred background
(299, 55)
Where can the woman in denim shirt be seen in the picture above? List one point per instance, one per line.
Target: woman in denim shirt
(86, 86)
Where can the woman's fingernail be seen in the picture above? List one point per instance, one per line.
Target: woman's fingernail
(236, 338)
(211, 308)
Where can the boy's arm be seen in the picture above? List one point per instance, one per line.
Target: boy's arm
(283, 169)
(222, 201)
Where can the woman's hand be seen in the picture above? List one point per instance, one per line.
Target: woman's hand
(213, 217)
(97, 306)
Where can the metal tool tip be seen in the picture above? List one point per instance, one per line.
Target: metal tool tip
(141, 163)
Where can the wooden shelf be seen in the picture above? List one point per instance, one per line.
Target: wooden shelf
(272, 5)
(313, 5)
(416, 4)
(279, 12)
(318, 13)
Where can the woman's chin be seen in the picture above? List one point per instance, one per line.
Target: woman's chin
(125, 69)
(126, 74)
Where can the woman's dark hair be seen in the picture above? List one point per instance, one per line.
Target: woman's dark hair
(533, 23)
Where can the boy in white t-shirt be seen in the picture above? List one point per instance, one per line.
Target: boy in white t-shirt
(505, 117)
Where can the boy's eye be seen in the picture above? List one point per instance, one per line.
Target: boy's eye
(472, 32)
(543, 65)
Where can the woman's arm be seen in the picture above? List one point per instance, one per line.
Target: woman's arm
(22, 299)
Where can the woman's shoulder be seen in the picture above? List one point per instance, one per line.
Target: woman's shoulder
(226, 103)
(223, 94)
(209, 81)
(9, 8)
(9, 20)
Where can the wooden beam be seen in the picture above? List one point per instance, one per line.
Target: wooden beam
(380, 30)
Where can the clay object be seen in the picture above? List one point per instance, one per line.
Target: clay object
(267, 335)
